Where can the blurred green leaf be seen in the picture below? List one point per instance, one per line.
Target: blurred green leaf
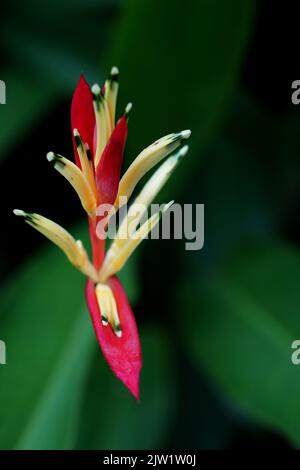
(54, 422)
(112, 419)
(46, 56)
(48, 344)
(236, 200)
(240, 202)
(241, 324)
(130, 279)
(67, 6)
(271, 140)
(38, 310)
(56, 50)
(179, 62)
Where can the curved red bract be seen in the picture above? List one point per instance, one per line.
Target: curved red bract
(83, 116)
(122, 354)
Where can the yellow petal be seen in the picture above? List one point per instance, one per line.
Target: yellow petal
(111, 93)
(147, 194)
(101, 122)
(116, 257)
(108, 308)
(147, 159)
(85, 161)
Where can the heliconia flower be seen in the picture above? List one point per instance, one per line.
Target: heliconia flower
(99, 146)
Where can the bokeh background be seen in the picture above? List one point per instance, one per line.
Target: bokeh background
(217, 324)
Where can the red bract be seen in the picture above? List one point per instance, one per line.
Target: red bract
(109, 168)
(82, 115)
(123, 354)
(98, 148)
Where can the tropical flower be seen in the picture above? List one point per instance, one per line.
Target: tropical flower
(98, 148)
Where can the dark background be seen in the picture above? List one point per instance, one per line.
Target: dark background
(216, 325)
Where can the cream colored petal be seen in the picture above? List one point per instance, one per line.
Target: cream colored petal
(111, 94)
(101, 122)
(116, 257)
(108, 308)
(77, 179)
(146, 196)
(109, 126)
(148, 158)
(85, 161)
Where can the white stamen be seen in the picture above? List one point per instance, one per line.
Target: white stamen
(128, 108)
(19, 212)
(114, 71)
(186, 134)
(50, 156)
(118, 333)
